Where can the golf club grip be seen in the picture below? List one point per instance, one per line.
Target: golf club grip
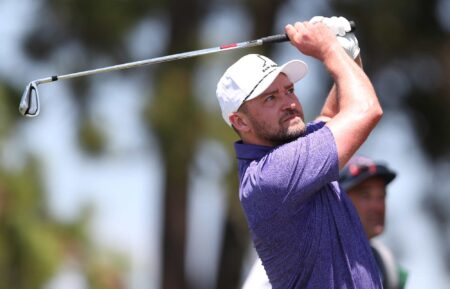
(283, 37)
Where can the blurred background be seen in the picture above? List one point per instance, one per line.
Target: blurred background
(128, 179)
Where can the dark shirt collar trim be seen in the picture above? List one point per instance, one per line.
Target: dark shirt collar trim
(254, 152)
(250, 151)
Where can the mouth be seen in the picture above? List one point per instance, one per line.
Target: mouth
(291, 117)
(377, 222)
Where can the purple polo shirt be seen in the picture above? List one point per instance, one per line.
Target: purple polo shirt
(304, 228)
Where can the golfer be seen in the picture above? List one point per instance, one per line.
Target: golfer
(304, 228)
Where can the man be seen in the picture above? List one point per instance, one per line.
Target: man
(365, 182)
(305, 230)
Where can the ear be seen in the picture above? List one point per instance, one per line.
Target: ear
(239, 122)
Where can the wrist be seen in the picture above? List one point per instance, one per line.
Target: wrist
(338, 62)
(333, 53)
(358, 60)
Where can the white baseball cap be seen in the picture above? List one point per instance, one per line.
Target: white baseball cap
(250, 76)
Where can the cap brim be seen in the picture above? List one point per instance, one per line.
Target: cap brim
(295, 70)
(387, 175)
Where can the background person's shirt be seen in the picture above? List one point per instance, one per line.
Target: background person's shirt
(304, 228)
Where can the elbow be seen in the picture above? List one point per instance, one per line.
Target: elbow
(377, 112)
(369, 112)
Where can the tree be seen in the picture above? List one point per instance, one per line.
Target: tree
(33, 244)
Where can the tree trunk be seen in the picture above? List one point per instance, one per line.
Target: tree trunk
(174, 115)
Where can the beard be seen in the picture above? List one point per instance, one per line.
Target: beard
(282, 133)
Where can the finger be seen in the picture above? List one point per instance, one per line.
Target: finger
(311, 25)
(316, 19)
(289, 29)
(291, 32)
(299, 25)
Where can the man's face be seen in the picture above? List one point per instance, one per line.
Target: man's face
(276, 116)
(369, 199)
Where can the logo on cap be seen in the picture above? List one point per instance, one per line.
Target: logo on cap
(264, 68)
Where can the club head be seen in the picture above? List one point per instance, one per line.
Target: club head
(29, 104)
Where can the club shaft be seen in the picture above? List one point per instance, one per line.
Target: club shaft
(245, 44)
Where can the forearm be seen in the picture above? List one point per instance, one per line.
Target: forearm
(359, 108)
(352, 91)
(331, 105)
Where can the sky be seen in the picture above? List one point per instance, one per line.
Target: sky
(125, 184)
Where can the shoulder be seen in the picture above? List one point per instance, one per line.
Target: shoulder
(315, 125)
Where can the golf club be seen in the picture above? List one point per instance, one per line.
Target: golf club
(29, 103)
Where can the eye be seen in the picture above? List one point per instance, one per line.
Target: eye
(269, 98)
(290, 90)
(365, 194)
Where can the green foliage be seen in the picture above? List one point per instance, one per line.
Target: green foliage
(91, 137)
(29, 244)
(99, 26)
(174, 113)
(33, 244)
(105, 272)
(9, 100)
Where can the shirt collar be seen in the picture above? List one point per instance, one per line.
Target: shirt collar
(250, 151)
(254, 152)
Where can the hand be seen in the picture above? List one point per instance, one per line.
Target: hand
(315, 40)
(342, 29)
(339, 25)
(350, 44)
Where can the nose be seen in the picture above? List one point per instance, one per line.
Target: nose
(290, 101)
(378, 205)
(290, 106)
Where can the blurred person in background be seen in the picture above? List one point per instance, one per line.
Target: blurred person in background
(365, 182)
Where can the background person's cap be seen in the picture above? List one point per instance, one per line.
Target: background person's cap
(360, 168)
(250, 76)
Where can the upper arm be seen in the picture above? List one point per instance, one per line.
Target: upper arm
(323, 118)
(351, 128)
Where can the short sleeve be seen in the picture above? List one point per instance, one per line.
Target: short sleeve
(294, 171)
